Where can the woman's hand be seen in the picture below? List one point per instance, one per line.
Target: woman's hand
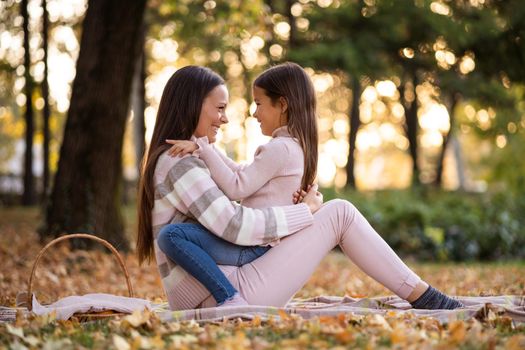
(181, 147)
(313, 198)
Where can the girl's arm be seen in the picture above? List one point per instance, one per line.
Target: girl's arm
(243, 181)
(189, 188)
(194, 146)
(234, 166)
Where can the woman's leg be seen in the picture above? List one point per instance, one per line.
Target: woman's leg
(276, 276)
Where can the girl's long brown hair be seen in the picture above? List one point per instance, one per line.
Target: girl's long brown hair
(290, 81)
(177, 118)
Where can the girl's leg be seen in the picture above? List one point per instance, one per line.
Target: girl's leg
(220, 250)
(198, 251)
(275, 277)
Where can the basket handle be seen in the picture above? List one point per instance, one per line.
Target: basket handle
(76, 235)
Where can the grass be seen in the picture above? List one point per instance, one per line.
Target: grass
(63, 273)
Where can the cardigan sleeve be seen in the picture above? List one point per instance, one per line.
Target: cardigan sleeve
(270, 159)
(189, 187)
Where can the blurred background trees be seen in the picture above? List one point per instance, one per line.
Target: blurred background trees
(421, 106)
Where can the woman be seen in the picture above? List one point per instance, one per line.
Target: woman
(181, 189)
(286, 113)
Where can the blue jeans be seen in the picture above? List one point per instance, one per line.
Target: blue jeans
(198, 251)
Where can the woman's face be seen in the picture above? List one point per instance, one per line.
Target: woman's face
(270, 115)
(213, 113)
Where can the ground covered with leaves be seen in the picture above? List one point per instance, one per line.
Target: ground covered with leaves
(63, 272)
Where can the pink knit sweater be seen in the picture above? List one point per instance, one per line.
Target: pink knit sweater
(271, 178)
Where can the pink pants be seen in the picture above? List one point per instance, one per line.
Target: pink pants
(276, 276)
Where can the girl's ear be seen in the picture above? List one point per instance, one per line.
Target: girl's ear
(284, 104)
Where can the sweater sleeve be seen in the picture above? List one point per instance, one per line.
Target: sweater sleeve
(243, 181)
(189, 187)
(203, 144)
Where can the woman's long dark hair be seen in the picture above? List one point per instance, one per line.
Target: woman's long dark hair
(177, 118)
(290, 81)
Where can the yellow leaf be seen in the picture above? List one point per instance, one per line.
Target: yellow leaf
(19, 332)
(327, 320)
(136, 319)
(179, 340)
(379, 321)
(32, 340)
(457, 331)
(398, 335)
(284, 316)
(156, 342)
(357, 296)
(516, 342)
(120, 343)
(391, 313)
(139, 342)
(345, 337)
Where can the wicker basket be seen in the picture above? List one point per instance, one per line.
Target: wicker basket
(82, 317)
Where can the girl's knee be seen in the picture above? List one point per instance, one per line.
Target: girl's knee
(167, 235)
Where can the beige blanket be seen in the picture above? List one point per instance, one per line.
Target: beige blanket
(476, 307)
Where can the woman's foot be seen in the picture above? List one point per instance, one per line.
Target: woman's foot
(433, 299)
(236, 300)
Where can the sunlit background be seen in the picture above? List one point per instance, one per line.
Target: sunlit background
(382, 159)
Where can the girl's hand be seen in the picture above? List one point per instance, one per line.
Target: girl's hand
(314, 199)
(299, 195)
(181, 147)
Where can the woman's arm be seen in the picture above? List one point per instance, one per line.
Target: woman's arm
(242, 182)
(189, 187)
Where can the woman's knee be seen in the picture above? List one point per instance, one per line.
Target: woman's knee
(342, 206)
(343, 211)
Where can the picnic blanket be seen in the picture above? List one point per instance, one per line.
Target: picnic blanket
(475, 307)
(478, 307)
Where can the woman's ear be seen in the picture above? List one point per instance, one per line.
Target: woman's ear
(284, 104)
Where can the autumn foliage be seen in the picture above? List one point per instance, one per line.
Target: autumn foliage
(64, 272)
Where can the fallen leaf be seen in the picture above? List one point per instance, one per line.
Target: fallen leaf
(19, 332)
(457, 331)
(283, 315)
(256, 322)
(516, 342)
(136, 319)
(120, 343)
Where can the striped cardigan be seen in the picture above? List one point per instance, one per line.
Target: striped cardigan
(184, 190)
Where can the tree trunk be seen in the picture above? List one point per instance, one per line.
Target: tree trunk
(28, 197)
(460, 168)
(46, 110)
(138, 104)
(412, 127)
(454, 99)
(355, 123)
(86, 191)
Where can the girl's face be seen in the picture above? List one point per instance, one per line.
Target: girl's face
(213, 113)
(270, 115)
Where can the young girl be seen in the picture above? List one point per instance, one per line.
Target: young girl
(286, 104)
